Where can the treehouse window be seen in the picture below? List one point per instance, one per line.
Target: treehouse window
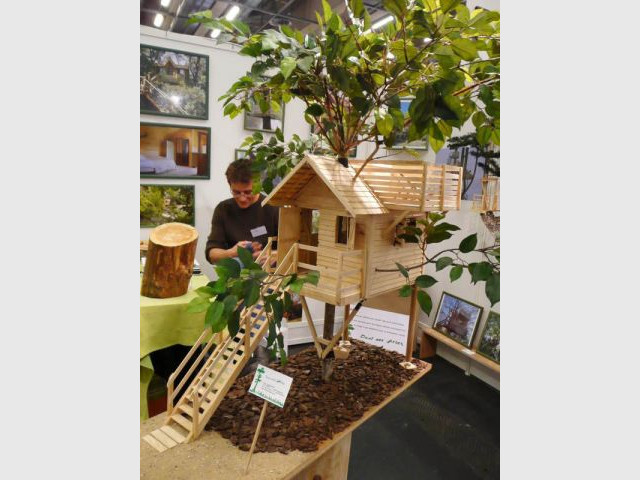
(342, 230)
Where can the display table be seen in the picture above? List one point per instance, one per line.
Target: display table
(213, 457)
(165, 322)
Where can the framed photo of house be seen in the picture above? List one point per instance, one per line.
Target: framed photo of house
(175, 151)
(268, 121)
(402, 138)
(174, 83)
(457, 318)
(167, 203)
(489, 345)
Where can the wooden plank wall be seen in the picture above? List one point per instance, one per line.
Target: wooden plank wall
(383, 254)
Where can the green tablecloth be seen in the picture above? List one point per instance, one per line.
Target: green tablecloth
(165, 322)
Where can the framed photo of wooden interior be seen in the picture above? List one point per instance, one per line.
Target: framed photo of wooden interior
(402, 138)
(175, 151)
(167, 203)
(174, 83)
(267, 121)
(489, 345)
(457, 318)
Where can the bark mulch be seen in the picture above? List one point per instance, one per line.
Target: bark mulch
(314, 410)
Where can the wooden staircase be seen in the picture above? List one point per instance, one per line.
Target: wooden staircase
(221, 365)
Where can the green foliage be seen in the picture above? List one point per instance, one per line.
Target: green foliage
(351, 78)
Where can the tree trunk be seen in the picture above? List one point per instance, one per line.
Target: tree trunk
(169, 264)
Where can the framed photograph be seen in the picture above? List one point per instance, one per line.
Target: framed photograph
(490, 339)
(167, 203)
(457, 318)
(174, 83)
(402, 138)
(174, 151)
(264, 122)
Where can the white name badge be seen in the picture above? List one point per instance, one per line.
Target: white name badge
(261, 230)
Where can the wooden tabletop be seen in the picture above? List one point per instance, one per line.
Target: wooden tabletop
(212, 457)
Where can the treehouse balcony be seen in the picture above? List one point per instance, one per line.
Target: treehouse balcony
(340, 273)
(413, 186)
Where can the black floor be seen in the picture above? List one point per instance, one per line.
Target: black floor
(445, 427)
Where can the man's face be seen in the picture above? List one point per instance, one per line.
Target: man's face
(242, 194)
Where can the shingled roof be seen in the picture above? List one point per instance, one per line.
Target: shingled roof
(356, 197)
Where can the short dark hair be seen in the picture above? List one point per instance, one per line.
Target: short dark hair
(239, 171)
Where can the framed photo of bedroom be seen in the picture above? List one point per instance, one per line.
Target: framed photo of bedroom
(175, 151)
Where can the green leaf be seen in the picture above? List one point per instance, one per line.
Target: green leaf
(312, 278)
(464, 48)
(296, 285)
(305, 63)
(483, 135)
(277, 310)
(469, 243)
(492, 288)
(443, 263)
(481, 271)
(206, 292)
(455, 272)
(214, 317)
(478, 119)
(197, 305)
(315, 109)
(287, 66)
(234, 323)
(272, 334)
(405, 291)
(279, 134)
(245, 257)
(252, 293)
(231, 266)
(425, 281)
(326, 9)
(357, 7)
(283, 357)
(403, 270)
(397, 7)
(425, 302)
(230, 303)
(384, 124)
(447, 5)
(437, 236)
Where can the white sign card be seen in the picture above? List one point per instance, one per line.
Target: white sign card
(384, 329)
(271, 385)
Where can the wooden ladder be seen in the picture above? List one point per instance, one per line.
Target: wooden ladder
(186, 421)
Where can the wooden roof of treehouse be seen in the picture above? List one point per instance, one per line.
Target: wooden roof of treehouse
(408, 185)
(357, 198)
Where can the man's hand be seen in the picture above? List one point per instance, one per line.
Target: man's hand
(233, 251)
(257, 249)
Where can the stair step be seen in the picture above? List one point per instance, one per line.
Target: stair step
(189, 410)
(182, 421)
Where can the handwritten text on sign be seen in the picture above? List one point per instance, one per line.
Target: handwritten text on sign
(270, 385)
(383, 329)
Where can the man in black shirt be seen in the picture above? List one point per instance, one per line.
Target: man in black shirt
(240, 220)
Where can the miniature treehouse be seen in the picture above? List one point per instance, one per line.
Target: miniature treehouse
(358, 218)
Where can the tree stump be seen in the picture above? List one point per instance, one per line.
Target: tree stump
(169, 265)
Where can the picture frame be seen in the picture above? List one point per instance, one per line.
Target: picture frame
(167, 203)
(174, 83)
(457, 319)
(175, 151)
(401, 142)
(267, 122)
(489, 345)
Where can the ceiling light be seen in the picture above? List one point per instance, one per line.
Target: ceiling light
(158, 20)
(214, 33)
(382, 22)
(232, 13)
(165, 3)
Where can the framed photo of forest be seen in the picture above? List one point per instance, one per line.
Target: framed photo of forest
(174, 83)
(457, 318)
(489, 345)
(167, 203)
(175, 151)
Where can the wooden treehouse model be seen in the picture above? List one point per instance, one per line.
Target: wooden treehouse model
(357, 222)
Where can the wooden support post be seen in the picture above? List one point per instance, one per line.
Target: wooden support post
(345, 325)
(413, 320)
(312, 327)
(255, 436)
(428, 346)
(329, 320)
(336, 337)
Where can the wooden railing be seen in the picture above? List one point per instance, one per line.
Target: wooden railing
(344, 286)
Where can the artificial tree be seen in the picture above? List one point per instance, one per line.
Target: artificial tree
(351, 79)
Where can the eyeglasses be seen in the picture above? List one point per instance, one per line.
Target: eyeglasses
(239, 193)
